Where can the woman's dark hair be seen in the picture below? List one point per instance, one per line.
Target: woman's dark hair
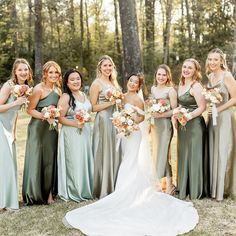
(66, 88)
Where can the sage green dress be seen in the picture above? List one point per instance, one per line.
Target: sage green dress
(75, 159)
(190, 152)
(161, 135)
(106, 158)
(8, 164)
(222, 148)
(40, 169)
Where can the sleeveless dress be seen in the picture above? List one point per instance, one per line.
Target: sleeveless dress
(134, 208)
(161, 135)
(40, 168)
(190, 152)
(222, 148)
(106, 158)
(75, 159)
(8, 164)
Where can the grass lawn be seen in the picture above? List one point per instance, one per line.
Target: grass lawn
(216, 218)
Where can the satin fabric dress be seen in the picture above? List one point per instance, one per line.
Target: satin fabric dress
(190, 152)
(75, 159)
(106, 158)
(8, 164)
(134, 208)
(222, 151)
(40, 168)
(161, 135)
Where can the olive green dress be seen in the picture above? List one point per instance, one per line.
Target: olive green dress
(75, 159)
(161, 135)
(222, 148)
(8, 165)
(190, 152)
(106, 158)
(40, 169)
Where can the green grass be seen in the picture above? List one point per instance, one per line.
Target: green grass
(216, 218)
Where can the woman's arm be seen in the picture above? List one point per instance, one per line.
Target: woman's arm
(94, 94)
(4, 95)
(231, 86)
(63, 103)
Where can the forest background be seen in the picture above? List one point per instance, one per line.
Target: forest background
(139, 35)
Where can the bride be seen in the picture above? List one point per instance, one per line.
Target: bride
(135, 208)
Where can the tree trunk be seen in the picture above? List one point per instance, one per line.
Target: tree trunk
(81, 34)
(87, 28)
(130, 38)
(234, 53)
(189, 27)
(38, 40)
(14, 26)
(30, 26)
(72, 16)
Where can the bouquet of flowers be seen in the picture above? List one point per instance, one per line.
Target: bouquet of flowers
(114, 94)
(51, 112)
(124, 121)
(182, 115)
(214, 97)
(82, 116)
(22, 90)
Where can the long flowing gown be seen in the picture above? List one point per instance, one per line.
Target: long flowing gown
(75, 159)
(8, 165)
(161, 135)
(40, 169)
(190, 151)
(134, 208)
(222, 148)
(106, 157)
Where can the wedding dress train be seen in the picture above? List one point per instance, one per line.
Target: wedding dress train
(135, 208)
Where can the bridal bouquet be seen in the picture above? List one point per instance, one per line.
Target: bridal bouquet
(182, 115)
(51, 112)
(214, 97)
(124, 121)
(114, 94)
(82, 116)
(22, 91)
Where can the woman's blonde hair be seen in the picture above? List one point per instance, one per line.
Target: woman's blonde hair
(18, 61)
(46, 68)
(169, 81)
(222, 57)
(197, 77)
(113, 76)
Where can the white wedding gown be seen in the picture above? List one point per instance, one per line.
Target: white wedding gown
(135, 208)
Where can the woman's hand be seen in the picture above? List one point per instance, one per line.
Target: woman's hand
(20, 101)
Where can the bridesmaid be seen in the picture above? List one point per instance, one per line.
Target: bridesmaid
(221, 135)
(9, 106)
(40, 177)
(191, 138)
(107, 159)
(162, 130)
(75, 160)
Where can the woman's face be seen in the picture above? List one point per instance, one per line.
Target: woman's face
(188, 69)
(22, 73)
(74, 81)
(133, 84)
(161, 76)
(106, 68)
(52, 75)
(214, 61)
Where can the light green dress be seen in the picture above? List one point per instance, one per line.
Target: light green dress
(8, 164)
(190, 152)
(222, 148)
(106, 159)
(40, 169)
(75, 159)
(161, 135)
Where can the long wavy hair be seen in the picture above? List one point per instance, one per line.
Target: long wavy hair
(18, 61)
(169, 81)
(223, 65)
(66, 89)
(46, 68)
(197, 77)
(113, 76)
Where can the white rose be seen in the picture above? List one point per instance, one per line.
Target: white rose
(130, 122)
(122, 119)
(46, 115)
